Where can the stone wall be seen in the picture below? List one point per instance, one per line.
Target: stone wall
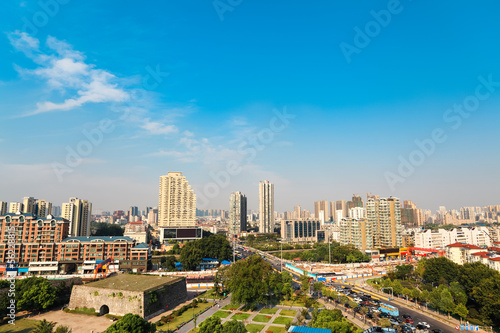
(118, 302)
(169, 295)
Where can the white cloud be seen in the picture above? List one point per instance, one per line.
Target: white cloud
(154, 127)
(65, 69)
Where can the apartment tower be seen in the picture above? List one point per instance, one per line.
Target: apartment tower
(237, 213)
(78, 213)
(266, 207)
(384, 215)
(177, 202)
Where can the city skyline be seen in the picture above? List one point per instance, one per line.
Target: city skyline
(405, 110)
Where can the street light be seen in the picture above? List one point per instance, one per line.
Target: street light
(281, 248)
(392, 291)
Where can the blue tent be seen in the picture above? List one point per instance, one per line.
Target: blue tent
(225, 262)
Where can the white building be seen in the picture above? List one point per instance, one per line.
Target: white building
(266, 207)
(357, 213)
(438, 239)
(177, 201)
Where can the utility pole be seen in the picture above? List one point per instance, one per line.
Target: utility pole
(329, 249)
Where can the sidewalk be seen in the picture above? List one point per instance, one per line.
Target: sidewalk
(190, 325)
(349, 315)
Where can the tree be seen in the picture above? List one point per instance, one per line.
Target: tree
(487, 295)
(168, 262)
(211, 325)
(440, 270)
(63, 329)
(384, 322)
(304, 282)
(331, 319)
(318, 286)
(249, 279)
(461, 311)
(107, 229)
(191, 256)
(403, 271)
(131, 323)
(44, 327)
(458, 293)
(234, 326)
(35, 294)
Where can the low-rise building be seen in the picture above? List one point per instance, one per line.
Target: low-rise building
(300, 231)
(438, 239)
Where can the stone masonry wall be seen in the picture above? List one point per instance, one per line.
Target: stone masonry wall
(171, 295)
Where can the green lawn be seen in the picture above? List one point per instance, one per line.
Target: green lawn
(231, 307)
(185, 316)
(241, 316)
(288, 313)
(209, 294)
(21, 326)
(293, 303)
(221, 314)
(269, 310)
(261, 318)
(276, 329)
(254, 328)
(282, 320)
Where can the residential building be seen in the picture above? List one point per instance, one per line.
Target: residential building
(461, 253)
(44, 208)
(237, 213)
(266, 207)
(29, 205)
(438, 239)
(3, 207)
(296, 230)
(78, 212)
(384, 215)
(56, 211)
(321, 210)
(137, 230)
(411, 216)
(355, 202)
(357, 213)
(357, 232)
(15, 207)
(177, 202)
(341, 206)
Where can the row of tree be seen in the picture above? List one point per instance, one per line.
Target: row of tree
(214, 325)
(338, 254)
(214, 246)
(333, 320)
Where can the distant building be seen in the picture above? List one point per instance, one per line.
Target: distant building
(15, 207)
(319, 207)
(177, 202)
(3, 207)
(237, 213)
(44, 208)
(357, 232)
(137, 230)
(384, 215)
(300, 231)
(29, 205)
(438, 239)
(266, 207)
(461, 253)
(78, 212)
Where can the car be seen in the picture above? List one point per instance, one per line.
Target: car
(405, 315)
(436, 330)
(369, 315)
(423, 323)
(393, 322)
(409, 320)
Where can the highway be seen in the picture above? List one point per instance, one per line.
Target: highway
(415, 315)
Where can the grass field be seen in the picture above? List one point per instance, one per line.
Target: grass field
(21, 326)
(241, 316)
(268, 311)
(132, 282)
(261, 318)
(288, 313)
(276, 329)
(209, 294)
(254, 328)
(282, 320)
(185, 316)
(231, 307)
(221, 314)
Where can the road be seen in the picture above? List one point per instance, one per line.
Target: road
(416, 316)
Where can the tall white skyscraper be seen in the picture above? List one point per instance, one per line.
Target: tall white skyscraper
(78, 212)
(177, 202)
(266, 207)
(237, 213)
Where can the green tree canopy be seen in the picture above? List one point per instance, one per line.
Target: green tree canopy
(35, 293)
(44, 327)
(131, 323)
(210, 325)
(440, 269)
(214, 246)
(234, 326)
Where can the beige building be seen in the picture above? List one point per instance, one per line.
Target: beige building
(384, 215)
(357, 232)
(44, 208)
(266, 207)
(137, 230)
(321, 210)
(78, 212)
(177, 202)
(15, 207)
(29, 205)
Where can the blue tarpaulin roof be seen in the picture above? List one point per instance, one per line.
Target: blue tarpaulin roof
(225, 262)
(301, 329)
(178, 264)
(209, 259)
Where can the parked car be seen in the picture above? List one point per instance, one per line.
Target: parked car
(423, 323)
(409, 320)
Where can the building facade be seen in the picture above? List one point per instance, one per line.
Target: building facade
(299, 231)
(357, 232)
(177, 201)
(78, 212)
(384, 215)
(237, 213)
(266, 207)
(438, 239)
(321, 210)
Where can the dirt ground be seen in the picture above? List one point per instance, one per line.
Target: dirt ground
(77, 322)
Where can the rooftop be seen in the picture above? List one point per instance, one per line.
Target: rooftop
(132, 282)
(99, 238)
(468, 246)
(302, 329)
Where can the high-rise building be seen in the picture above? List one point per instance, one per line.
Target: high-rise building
(357, 232)
(15, 207)
(29, 205)
(467, 213)
(410, 215)
(3, 207)
(266, 207)
(44, 208)
(297, 212)
(340, 205)
(355, 202)
(237, 213)
(177, 201)
(384, 214)
(357, 213)
(78, 213)
(321, 206)
(56, 211)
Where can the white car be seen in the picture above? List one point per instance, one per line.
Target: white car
(424, 323)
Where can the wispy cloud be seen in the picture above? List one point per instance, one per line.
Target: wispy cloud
(65, 69)
(154, 127)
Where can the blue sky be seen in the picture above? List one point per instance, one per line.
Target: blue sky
(194, 85)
